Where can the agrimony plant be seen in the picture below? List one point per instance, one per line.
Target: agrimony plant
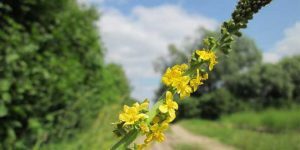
(181, 80)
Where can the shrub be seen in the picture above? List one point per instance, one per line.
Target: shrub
(52, 75)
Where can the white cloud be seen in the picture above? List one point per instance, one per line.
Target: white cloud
(90, 2)
(288, 46)
(137, 39)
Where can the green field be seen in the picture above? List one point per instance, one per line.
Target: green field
(271, 129)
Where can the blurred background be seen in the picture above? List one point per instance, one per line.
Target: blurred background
(67, 67)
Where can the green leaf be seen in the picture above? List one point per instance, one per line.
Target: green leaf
(6, 97)
(11, 58)
(3, 110)
(5, 85)
(34, 123)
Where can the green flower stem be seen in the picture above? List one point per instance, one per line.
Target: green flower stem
(152, 113)
(126, 140)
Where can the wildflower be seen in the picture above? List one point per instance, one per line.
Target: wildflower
(212, 63)
(183, 89)
(156, 133)
(169, 119)
(170, 75)
(208, 56)
(173, 74)
(170, 106)
(181, 67)
(144, 127)
(131, 115)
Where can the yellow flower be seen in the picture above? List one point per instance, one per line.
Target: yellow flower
(208, 56)
(144, 127)
(181, 67)
(197, 81)
(170, 106)
(131, 115)
(169, 119)
(156, 133)
(182, 87)
(213, 62)
(172, 74)
(203, 54)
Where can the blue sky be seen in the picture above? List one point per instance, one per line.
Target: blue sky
(267, 27)
(136, 32)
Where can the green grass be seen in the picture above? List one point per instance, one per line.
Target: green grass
(269, 120)
(243, 130)
(98, 136)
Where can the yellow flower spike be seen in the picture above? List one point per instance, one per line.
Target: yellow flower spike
(170, 106)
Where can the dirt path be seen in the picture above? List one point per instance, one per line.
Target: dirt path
(185, 137)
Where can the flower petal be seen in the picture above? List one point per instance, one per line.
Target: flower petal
(125, 108)
(163, 108)
(169, 96)
(172, 113)
(174, 105)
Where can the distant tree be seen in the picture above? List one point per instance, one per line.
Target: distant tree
(291, 67)
(264, 86)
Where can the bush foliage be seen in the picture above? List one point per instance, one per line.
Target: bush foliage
(52, 74)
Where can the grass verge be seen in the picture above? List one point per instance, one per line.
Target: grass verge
(237, 130)
(98, 136)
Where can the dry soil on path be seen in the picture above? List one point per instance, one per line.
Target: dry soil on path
(179, 135)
